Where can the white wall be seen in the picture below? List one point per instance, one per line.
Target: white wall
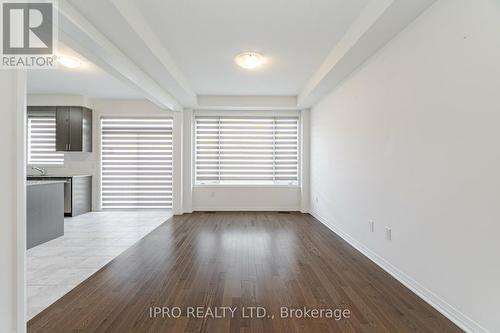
(411, 141)
(59, 99)
(89, 163)
(136, 108)
(186, 197)
(248, 198)
(187, 161)
(12, 201)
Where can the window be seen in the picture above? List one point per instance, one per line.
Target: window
(42, 138)
(246, 150)
(136, 163)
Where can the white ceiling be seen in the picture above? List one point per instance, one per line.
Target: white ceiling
(88, 80)
(180, 54)
(204, 36)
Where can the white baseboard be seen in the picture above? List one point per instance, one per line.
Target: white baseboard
(461, 320)
(246, 209)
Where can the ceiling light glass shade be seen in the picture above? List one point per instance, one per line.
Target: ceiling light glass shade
(69, 62)
(249, 60)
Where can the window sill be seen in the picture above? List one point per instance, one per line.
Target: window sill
(247, 185)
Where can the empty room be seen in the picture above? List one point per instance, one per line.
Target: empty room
(250, 166)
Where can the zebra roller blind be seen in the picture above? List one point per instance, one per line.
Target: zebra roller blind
(136, 163)
(42, 138)
(246, 150)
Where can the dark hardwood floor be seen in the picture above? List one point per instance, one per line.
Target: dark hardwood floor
(242, 260)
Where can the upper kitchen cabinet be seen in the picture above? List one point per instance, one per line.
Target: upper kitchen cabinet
(73, 129)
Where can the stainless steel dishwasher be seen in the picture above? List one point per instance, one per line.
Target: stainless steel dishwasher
(67, 196)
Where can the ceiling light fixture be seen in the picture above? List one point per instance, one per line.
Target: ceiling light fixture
(69, 62)
(249, 59)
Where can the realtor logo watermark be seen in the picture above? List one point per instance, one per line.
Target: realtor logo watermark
(29, 34)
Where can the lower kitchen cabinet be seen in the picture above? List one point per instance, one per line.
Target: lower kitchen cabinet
(77, 193)
(44, 212)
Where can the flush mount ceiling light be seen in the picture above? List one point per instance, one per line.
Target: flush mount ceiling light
(69, 62)
(249, 59)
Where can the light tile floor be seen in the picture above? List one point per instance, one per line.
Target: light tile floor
(90, 241)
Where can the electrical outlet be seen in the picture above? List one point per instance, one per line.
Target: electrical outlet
(388, 233)
(316, 199)
(372, 226)
(212, 194)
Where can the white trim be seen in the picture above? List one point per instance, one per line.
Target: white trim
(21, 116)
(304, 143)
(253, 112)
(187, 158)
(177, 163)
(190, 151)
(246, 185)
(96, 141)
(245, 209)
(460, 319)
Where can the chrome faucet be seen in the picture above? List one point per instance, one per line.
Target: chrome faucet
(43, 171)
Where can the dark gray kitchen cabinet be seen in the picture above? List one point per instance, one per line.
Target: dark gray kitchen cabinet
(44, 212)
(62, 128)
(77, 192)
(73, 129)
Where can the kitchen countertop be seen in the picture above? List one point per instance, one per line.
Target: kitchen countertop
(44, 182)
(57, 176)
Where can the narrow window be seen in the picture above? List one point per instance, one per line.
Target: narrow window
(42, 138)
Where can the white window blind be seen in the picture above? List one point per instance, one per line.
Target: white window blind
(42, 138)
(247, 150)
(136, 163)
